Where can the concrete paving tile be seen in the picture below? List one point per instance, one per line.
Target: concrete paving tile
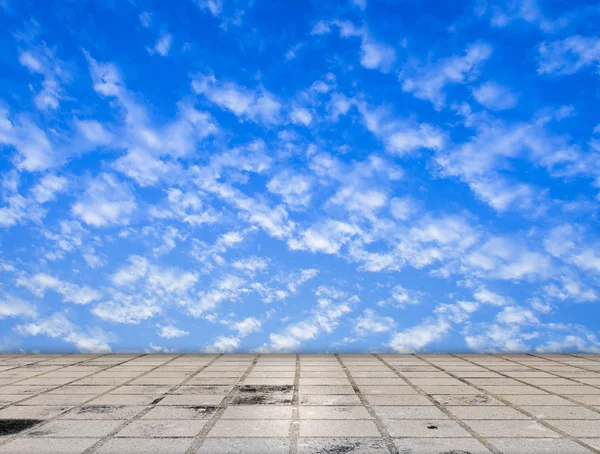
(307, 389)
(342, 445)
(59, 399)
(247, 446)
(380, 381)
(386, 390)
(561, 412)
(123, 399)
(512, 390)
(418, 412)
(329, 399)
(78, 389)
(262, 399)
(577, 428)
(257, 412)
(593, 442)
(511, 429)
(16, 389)
(40, 412)
(269, 381)
(436, 381)
(427, 428)
(250, 428)
(7, 399)
(549, 399)
(150, 390)
(483, 412)
(145, 446)
(215, 389)
(103, 412)
(333, 412)
(323, 381)
(586, 399)
(453, 390)
(67, 429)
(192, 399)
(467, 399)
(192, 412)
(338, 428)
(537, 446)
(47, 446)
(162, 428)
(438, 445)
(213, 381)
(398, 399)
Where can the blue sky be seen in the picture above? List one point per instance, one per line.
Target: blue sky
(349, 176)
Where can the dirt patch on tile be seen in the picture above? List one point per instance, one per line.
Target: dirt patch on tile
(253, 389)
(203, 410)
(261, 399)
(98, 409)
(14, 426)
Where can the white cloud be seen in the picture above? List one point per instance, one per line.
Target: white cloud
(162, 46)
(251, 265)
(259, 106)
(105, 202)
(567, 56)
(494, 96)
(401, 137)
(213, 6)
(39, 283)
(328, 237)
(35, 152)
(12, 307)
(373, 54)
(516, 315)
(418, 337)
(428, 82)
(401, 297)
(41, 60)
(58, 326)
(301, 116)
(294, 188)
(247, 326)
(171, 332)
(224, 344)
(48, 187)
(373, 323)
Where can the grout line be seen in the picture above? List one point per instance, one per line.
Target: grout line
(441, 407)
(53, 388)
(385, 435)
(576, 380)
(540, 387)
(104, 439)
(201, 437)
(3, 441)
(516, 407)
(295, 425)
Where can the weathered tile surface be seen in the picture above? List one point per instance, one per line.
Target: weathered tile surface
(301, 403)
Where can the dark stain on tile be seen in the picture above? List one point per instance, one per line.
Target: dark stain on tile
(266, 389)
(14, 426)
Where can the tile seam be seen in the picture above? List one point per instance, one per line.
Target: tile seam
(385, 435)
(440, 407)
(201, 437)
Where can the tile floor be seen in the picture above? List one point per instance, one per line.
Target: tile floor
(300, 403)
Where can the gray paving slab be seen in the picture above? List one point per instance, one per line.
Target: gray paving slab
(301, 404)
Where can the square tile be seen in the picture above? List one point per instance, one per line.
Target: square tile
(511, 429)
(338, 428)
(228, 428)
(438, 445)
(429, 428)
(67, 429)
(162, 428)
